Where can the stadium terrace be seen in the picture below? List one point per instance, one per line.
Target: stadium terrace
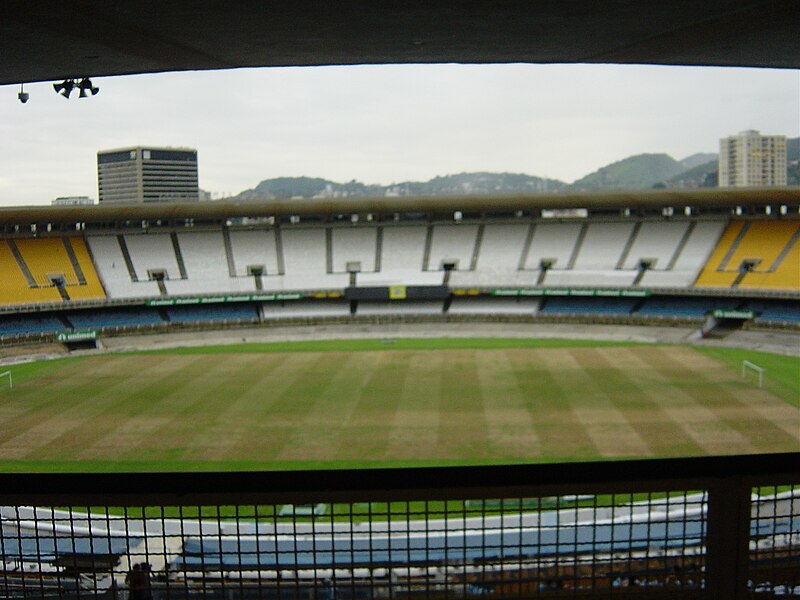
(709, 264)
(649, 257)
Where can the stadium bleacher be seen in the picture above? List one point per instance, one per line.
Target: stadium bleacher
(483, 255)
(498, 258)
(302, 309)
(353, 245)
(402, 254)
(452, 244)
(776, 311)
(588, 306)
(151, 252)
(755, 254)
(112, 267)
(685, 307)
(123, 316)
(205, 262)
(494, 306)
(602, 246)
(245, 311)
(553, 242)
(33, 269)
(399, 308)
(18, 325)
(254, 248)
(656, 242)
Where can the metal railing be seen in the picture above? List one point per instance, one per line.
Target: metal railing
(719, 527)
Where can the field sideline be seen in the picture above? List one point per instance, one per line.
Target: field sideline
(399, 402)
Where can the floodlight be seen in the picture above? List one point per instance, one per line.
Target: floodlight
(23, 95)
(86, 86)
(65, 87)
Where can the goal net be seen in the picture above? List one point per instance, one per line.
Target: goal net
(753, 370)
(7, 375)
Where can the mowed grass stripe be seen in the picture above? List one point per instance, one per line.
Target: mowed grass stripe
(316, 433)
(414, 429)
(87, 409)
(640, 399)
(263, 434)
(770, 423)
(367, 424)
(387, 344)
(595, 412)
(606, 415)
(23, 409)
(245, 431)
(286, 409)
(49, 393)
(509, 423)
(782, 376)
(462, 427)
(219, 416)
(696, 420)
(384, 405)
(177, 403)
(763, 434)
(704, 414)
(554, 422)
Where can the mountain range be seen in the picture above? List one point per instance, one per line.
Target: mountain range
(642, 171)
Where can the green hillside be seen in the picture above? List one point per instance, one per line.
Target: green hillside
(635, 172)
(642, 171)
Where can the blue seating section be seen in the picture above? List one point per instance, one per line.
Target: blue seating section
(778, 311)
(114, 317)
(685, 307)
(212, 312)
(30, 324)
(594, 305)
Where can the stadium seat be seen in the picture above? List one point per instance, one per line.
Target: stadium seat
(771, 249)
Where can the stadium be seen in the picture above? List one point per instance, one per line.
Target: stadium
(549, 396)
(440, 302)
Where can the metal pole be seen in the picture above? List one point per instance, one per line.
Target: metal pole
(728, 539)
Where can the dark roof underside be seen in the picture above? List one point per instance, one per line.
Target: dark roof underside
(44, 40)
(219, 211)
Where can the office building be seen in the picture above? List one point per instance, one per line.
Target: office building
(140, 174)
(752, 160)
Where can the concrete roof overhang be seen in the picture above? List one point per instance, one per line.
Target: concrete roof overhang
(713, 198)
(48, 40)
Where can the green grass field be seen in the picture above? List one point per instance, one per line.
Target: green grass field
(363, 403)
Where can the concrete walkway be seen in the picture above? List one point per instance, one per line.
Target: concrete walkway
(779, 342)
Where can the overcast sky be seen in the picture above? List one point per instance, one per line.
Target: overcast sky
(384, 124)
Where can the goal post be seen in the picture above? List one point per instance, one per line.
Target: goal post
(750, 366)
(10, 379)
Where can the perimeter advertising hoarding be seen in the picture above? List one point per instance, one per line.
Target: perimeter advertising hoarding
(224, 299)
(398, 292)
(741, 315)
(572, 292)
(77, 336)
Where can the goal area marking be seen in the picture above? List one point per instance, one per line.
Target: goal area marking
(10, 380)
(747, 365)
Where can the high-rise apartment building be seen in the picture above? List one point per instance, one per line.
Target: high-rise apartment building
(136, 175)
(752, 160)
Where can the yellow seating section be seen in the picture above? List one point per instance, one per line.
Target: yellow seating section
(764, 241)
(14, 289)
(92, 289)
(46, 256)
(43, 257)
(710, 276)
(786, 276)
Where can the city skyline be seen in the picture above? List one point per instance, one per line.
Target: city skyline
(387, 124)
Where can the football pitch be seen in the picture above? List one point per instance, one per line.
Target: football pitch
(378, 403)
